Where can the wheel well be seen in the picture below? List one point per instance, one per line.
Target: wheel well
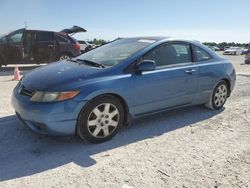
(228, 85)
(124, 104)
(127, 118)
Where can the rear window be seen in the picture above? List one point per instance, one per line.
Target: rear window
(44, 36)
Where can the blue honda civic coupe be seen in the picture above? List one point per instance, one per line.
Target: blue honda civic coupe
(96, 93)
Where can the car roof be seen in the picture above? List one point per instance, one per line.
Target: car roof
(36, 30)
(159, 39)
(156, 38)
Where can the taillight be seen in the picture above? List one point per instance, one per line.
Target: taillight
(77, 46)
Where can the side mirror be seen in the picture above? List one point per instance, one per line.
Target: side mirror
(146, 65)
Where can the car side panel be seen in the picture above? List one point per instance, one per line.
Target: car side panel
(210, 73)
(164, 88)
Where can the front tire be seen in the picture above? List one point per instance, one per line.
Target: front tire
(101, 119)
(219, 96)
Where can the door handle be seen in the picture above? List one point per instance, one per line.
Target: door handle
(50, 45)
(190, 71)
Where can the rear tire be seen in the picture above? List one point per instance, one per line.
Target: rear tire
(101, 119)
(219, 96)
(64, 57)
(1, 61)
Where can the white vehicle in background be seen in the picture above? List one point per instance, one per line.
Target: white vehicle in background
(84, 46)
(233, 51)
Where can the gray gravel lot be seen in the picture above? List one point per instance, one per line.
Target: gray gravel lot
(191, 147)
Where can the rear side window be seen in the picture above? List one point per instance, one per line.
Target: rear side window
(61, 39)
(170, 54)
(201, 55)
(44, 36)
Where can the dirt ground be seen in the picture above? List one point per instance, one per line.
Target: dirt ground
(191, 147)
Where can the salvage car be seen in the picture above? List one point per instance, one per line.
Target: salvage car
(247, 56)
(84, 46)
(233, 51)
(36, 46)
(96, 93)
(244, 51)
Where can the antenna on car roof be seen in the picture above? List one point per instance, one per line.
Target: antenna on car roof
(25, 24)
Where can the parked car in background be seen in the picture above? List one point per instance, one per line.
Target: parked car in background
(36, 46)
(247, 55)
(233, 51)
(211, 47)
(222, 48)
(95, 94)
(214, 48)
(245, 51)
(84, 46)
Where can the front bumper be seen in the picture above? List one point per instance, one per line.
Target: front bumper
(57, 118)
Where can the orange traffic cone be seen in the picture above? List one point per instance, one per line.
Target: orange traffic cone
(17, 75)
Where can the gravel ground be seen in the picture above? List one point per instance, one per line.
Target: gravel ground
(191, 147)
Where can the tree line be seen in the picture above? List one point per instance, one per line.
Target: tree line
(224, 44)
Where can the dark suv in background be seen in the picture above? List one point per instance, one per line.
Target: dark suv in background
(35, 46)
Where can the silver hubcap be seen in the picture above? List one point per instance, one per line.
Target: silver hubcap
(103, 120)
(64, 57)
(220, 95)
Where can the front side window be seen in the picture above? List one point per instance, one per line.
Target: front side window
(201, 55)
(44, 36)
(170, 54)
(16, 38)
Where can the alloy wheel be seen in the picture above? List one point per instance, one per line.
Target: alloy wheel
(220, 95)
(103, 120)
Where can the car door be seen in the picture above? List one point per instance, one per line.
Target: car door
(172, 84)
(44, 47)
(14, 47)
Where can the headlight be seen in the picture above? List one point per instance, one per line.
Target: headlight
(40, 96)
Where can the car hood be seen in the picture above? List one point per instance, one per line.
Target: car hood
(57, 76)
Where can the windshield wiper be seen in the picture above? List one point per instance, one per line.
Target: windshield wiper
(92, 63)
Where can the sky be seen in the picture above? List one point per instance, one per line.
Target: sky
(203, 20)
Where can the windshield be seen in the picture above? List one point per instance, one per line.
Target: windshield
(3, 38)
(115, 52)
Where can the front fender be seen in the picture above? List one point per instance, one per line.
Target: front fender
(118, 85)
